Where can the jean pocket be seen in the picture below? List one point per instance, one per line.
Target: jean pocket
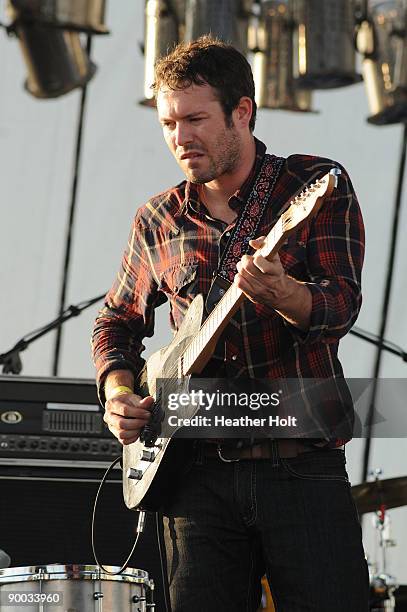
(318, 465)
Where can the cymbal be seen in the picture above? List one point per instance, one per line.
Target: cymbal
(391, 492)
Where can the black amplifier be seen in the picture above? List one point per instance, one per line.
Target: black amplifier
(53, 422)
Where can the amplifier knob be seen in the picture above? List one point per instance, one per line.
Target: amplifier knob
(104, 447)
(34, 444)
(85, 446)
(64, 445)
(21, 443)
(74, 446)
(53, 445)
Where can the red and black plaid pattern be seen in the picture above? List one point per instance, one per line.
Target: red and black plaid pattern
(173, 251)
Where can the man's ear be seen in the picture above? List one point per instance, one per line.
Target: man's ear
(243, 112)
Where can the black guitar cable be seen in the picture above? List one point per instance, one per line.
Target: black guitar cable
(139, 530)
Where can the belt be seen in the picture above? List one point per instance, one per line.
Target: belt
(287, 448)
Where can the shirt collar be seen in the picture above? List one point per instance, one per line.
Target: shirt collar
(239, 197)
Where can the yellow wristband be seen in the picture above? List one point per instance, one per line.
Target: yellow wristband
(120, 390)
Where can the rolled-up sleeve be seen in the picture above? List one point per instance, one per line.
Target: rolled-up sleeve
(128, 313)
(335, 252)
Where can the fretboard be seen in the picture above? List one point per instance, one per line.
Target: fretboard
(225, 309)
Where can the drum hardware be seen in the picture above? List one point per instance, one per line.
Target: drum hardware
(4, 559)
(369, 496)
(383, 585)
(80, 587)
(378, 496)
(382, 588)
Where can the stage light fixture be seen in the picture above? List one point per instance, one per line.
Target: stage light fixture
(55, 59)
(161, 33)
(83, 15)
(228, 20)
(382, 40)
(271, 39)
(324, 51)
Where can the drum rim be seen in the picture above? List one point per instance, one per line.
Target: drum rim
(58, 571)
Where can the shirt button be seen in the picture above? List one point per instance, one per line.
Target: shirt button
(234, 357)
(227, 234)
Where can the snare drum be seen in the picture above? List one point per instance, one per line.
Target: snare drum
(74, 588)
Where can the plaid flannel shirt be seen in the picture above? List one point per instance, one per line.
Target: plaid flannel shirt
(173, 251)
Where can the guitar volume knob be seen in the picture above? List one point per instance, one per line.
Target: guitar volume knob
(147, 455)
(134, 474)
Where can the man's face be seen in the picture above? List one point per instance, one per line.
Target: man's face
(196, 132)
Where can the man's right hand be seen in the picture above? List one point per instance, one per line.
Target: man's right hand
(126, 414)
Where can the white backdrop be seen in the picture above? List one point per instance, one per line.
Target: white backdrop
(124, 162)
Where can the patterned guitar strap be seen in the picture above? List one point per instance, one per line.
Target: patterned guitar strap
(245, 229)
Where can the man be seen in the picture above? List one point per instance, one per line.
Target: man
(280, 507)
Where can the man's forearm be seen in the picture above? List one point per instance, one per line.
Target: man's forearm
(296, 307)
(118, 378)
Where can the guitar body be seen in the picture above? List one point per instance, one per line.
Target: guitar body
(161, 464)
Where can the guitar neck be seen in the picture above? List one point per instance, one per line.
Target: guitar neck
(202, 346)
(301, 208)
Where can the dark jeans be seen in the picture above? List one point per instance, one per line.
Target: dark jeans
(228, 524)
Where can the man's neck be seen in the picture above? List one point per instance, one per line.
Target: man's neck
(220, 190)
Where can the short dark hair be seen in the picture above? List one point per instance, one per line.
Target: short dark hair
(208, 60)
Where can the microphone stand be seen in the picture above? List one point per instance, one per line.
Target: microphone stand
(11, 360)
(383, 344)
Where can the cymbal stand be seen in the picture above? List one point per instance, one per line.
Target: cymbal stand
(382, 585)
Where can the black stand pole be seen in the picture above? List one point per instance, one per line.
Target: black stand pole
(386, 303)
(65, 278)
(382, 344)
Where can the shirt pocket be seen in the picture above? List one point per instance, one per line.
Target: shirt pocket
(181, 280)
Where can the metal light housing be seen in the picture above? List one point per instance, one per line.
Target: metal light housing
(227, 20)
(324, 51)
(161, 33)
(382, 40)
(55, 59)
(271, 41)
(83, 15)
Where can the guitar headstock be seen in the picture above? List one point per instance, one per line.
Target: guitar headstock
(308, 202)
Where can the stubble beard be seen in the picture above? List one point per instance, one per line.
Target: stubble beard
(225, 160)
